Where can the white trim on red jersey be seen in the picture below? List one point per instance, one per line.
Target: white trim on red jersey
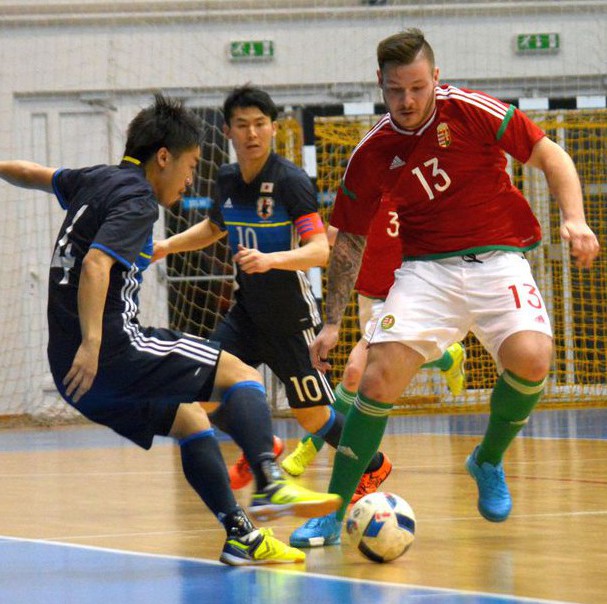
(493, 106)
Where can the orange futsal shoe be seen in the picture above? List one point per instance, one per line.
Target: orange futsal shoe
(240, 473)
(370, 481)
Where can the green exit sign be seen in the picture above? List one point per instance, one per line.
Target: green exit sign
(537, 43)
(251, 50)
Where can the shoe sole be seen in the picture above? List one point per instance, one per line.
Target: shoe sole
(315, 542)
(490, 518)
(236, 561)
(304, 509)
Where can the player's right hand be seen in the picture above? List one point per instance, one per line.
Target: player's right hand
(326, 339)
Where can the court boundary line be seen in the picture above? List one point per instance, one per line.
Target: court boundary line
(450, 591)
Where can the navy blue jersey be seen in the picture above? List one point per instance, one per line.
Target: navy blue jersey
(111, 208)
(261, 215)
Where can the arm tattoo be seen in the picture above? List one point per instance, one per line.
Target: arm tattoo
(344, 265)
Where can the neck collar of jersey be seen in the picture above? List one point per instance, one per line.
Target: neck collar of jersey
(418, 131)
(127, 159)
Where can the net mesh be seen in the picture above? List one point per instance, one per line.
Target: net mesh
(75, 74)
(575, 298)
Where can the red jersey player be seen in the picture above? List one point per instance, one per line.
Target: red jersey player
(440, 155)
(382, 256)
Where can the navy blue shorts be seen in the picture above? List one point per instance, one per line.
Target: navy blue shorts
(287, 355)
(138, 392)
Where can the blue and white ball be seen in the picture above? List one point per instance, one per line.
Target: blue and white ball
(381, 526)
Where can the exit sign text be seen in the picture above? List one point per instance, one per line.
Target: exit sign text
(537, 43)
(251, 50)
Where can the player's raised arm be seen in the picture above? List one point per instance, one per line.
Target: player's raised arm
(27, 174)
(197, 237)
(564, 184)
(314, 251)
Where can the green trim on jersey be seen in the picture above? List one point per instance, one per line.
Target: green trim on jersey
(350, 194)
(505, 122)
(474, 250)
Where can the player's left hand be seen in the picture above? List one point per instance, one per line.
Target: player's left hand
(79, 378)
(252, 261)
(160, 250)
(583, 243)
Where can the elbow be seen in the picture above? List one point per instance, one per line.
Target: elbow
(323, 259)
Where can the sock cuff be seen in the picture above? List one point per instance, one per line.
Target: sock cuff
(521, 385)
(344, 394)
(368, 406)
(328, 424)
(246, 384)
(209, 432)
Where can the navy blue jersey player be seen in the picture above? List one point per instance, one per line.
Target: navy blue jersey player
(140, 381)
(267, 206)
(268, 215)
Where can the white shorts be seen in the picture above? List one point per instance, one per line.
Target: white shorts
(435, 303)
(369, 310)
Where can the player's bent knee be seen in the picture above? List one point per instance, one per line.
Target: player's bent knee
(189, 419)
(351, 378)
(231, 370)
(531, 369)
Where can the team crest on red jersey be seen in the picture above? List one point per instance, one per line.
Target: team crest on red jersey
(444, 135)
(265, 207)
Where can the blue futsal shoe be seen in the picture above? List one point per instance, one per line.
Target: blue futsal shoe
(494, 501)
(317, 532)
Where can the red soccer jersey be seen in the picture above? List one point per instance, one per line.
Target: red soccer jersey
(383, 254)
(447, 179)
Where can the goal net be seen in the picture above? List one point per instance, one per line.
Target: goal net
(74, 75)
(575, 298)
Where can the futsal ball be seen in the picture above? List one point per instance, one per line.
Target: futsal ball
(381, 526)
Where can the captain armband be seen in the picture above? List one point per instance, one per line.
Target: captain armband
(308, 225)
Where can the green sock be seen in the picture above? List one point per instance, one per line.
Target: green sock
(343, 401)
(363, 431)
(443, 363)
(512, 401)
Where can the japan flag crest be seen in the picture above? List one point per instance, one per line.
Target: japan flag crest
(265, 207)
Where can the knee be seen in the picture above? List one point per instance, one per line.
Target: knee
(532, 367)
(351, 377)
(189, 419)
(231, 370)
(535, 371)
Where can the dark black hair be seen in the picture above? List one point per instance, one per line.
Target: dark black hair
(248, 96)
(165, 123)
